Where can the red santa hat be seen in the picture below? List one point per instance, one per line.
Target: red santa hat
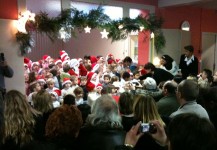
(89, 76)
(93, 59)
(65, 58)
(57, 61)
(26, 60)
(118, 61)
(63, 54)
(46, 57)
(35, 64)
(95, 67)
(110, 61)
(66, 80)
(99, 86)
(90, 86)
(56, 93)
(40, 78)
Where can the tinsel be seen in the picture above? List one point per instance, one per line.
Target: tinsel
(71, 19)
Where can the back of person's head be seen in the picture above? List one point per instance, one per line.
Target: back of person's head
(125, 103)
(188, 89)
(190, 132)
(170, 86)
(126, 75)
(145, 109)
(150, 66)
(149, 84)
(114, 78)
(177, 78)
(19, 118)
(69, 99)
(65, 121)
(104, 113)
(53, 71)
(85, 111)
(42, 101)
(127, 59)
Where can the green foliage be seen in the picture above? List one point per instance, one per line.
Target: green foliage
(71, 19)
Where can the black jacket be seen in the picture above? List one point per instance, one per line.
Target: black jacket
(191, 69)
(93, 138)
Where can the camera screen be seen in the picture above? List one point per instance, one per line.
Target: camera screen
(145, 127)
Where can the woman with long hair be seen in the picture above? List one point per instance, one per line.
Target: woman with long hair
(145, 110)
(19, 121)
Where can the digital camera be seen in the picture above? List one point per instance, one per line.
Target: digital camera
(148, 127)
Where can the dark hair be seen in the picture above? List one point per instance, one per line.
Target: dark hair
(167, 58)
(149, 66)
(189, 89)
(69, 99)
(125, 103)
(53, 71)
(191, 132)
(126, 75)
(127, 59)
(107, 75)
(170, 86)
(190, 48)
(85, 111)
(209, 75)
(177, 78)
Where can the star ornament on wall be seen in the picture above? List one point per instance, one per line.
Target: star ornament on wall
(104, 34)
(87, 29)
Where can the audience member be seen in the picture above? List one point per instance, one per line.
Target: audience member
(168, 104)
(103, 129)
(187, 93)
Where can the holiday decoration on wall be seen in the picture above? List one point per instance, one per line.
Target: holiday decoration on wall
(72, 21)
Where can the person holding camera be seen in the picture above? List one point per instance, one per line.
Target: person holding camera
(5, 71)
(185, 132)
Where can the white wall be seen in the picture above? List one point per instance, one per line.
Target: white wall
(9, 46)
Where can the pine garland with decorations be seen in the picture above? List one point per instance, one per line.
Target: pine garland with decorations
(72, 20)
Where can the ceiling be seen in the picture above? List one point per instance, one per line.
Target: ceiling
(209, 4)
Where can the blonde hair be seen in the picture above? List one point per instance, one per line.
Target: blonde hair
(42, 101)
(145, 109)
(19, 118)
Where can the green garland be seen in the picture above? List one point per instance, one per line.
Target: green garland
(72, 19)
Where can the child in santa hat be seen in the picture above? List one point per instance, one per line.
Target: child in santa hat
(34, 87)
(66, 84)
(55, 96)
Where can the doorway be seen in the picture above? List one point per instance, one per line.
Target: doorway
(209, 55)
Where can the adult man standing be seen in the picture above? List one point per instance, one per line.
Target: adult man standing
(187, 92)
(5, 71)
(188, 62)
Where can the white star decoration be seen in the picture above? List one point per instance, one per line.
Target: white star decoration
(87, 29)
(141, 29)
(104, 34)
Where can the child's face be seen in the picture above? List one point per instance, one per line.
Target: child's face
(98, 90)
(83, 82)
(114, 90)
(108, 69)
(106, 80)
(67, 85)
(79, 95)
(50, 85)
(53, 97)
(75, 81)
(204, 75)
(38, 87)
(41, 84)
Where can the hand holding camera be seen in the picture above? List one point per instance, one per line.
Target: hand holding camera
(148, 128)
